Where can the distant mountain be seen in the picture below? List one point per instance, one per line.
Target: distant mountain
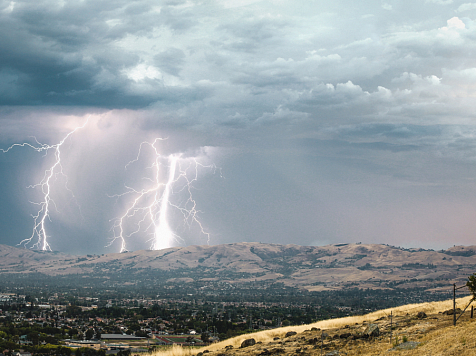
(314, 268)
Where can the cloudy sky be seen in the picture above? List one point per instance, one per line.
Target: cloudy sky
(308, 122)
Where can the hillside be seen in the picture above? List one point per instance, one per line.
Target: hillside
(419, 329)
(313, 268)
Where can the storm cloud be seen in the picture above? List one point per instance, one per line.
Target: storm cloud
(330, 121)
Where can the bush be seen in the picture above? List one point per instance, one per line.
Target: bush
(471, 284)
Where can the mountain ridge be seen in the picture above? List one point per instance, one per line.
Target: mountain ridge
(314, 268)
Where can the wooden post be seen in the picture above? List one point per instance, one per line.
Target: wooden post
(454, 304)
(322, 341)
(323, 335)
(391, 326)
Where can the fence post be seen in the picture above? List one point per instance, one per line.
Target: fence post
(454, 304)
(391, 325)
(323, 335)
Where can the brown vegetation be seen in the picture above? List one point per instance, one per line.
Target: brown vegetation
(424, 327)
(314, 268)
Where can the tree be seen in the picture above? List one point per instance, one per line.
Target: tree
(471, 284)
(205, 337)
(63, 351)
(89, 334)
(72, 332)
(73, 311)
(33, 337)
(141, 333)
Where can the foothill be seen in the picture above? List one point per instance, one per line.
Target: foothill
(119, 304)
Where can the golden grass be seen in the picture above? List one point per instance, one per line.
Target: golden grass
(459, 340)
(268, 335)
(449, 341)
(177, 350)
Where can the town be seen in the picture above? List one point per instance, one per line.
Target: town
(93, 322)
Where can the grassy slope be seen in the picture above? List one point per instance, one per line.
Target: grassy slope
(459, 340)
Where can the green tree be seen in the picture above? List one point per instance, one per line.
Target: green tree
(471, 284)
(141, 333)
(63, 351)
(89, 334)
(205, 337)
(73, 311)
(33, 337)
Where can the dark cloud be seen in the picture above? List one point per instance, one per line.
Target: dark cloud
(170, 61)
(331, 120)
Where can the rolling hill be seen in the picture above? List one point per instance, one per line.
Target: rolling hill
(313, 268)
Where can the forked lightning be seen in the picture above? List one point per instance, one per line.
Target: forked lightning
(148, 211)
(39, 236)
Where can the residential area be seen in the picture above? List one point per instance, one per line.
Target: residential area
(31, 324)
(93, 321)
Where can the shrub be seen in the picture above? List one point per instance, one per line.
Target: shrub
(471, 284)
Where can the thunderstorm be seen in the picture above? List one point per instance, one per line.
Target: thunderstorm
(39, 237)
(169, 187)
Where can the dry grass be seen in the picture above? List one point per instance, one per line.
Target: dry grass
(442, 340)
(448, 341)
(177, 350)
(268, 335)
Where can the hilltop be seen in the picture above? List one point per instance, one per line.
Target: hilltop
(311, 268)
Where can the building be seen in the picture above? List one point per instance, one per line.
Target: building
(93, 344)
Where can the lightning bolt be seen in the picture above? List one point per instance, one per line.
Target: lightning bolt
(164, 235)
(148, 211)
(39, 220)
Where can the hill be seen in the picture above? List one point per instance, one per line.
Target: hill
(419, 329)
(311, 268)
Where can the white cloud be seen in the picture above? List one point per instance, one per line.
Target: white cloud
(142, 71)
(433, 79)
(466, 7)
(113, 22)
(9, 8)
(454, 23)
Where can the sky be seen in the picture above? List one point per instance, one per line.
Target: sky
(208, 122)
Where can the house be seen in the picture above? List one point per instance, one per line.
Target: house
(22, 353)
